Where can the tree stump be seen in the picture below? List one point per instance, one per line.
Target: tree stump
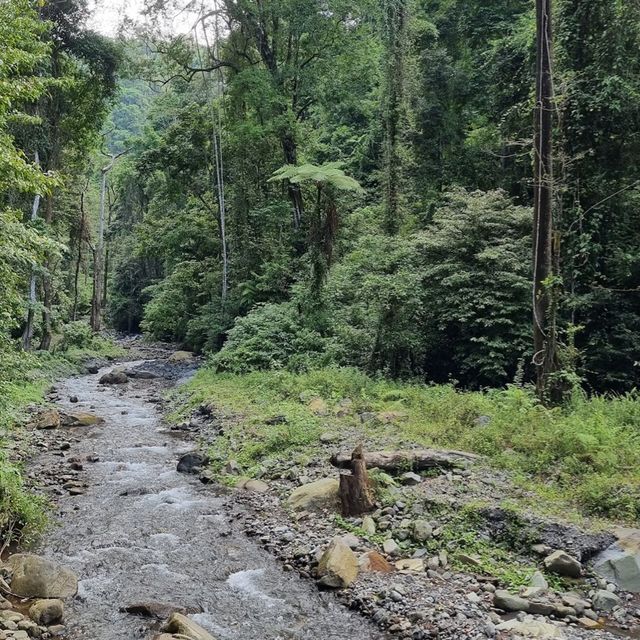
(355, 491)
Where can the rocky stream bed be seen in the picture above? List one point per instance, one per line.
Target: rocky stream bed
(146, 544)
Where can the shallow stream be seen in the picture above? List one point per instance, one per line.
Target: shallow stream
(143, 532)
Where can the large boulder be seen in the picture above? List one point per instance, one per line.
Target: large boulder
(338, 566)
(48, 419)
(37, 577)
(181, 626)
(604, 600)
(80, 419)
(117, 376)
(315, 496)
(620, 563)
(47, 612)
(561, 563)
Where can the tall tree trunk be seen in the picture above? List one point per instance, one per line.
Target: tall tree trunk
(47, 288)
(544, 311)
(27, 335)
(290, 150)
(105, 279)
(395, 24)
(99, 279)
(76, 276)
(98, 258)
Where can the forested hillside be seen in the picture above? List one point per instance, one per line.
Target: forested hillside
(288, 188)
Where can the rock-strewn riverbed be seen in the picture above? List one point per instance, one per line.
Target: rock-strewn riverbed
(425, 584)
(145, 540)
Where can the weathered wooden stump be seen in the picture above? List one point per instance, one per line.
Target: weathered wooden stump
(355, 490)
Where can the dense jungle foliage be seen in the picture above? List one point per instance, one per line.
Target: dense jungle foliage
(288, 187)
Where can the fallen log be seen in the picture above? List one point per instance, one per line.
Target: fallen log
(355, 490)
(417, 460)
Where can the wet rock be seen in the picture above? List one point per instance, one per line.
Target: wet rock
(532, 629)
(48, 419)
(338, 566)
(79, 419)
(192, 463)
(92, 368)
(563, 564)
(604, 600)
(37, 577)
(508, 602)
(47, 612)
(318, 495)
(157, 610)
(374, 561)
(181, 625)
(620, 563)
(73, 399)
(141, 374)
(117, 376)
(181, 357)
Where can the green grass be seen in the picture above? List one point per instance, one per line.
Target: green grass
(24, 378)
(582, 456)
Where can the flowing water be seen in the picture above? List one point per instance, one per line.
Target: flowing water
(144, 532)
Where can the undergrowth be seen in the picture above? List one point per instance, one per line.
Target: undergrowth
(582, 455)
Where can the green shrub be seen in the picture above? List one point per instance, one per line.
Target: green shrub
(271, 336)
(76, 334)
(22, 514)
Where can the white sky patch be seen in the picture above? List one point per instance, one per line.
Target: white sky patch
(107, 16)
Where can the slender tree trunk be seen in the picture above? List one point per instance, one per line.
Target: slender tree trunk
(76, 276)
(47, 288)
(544, 320)
(99, 278)
(105, 280)
(98, 258)
(27, 335)
(395, 24)
(290, 151)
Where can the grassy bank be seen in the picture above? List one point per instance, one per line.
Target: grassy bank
(24, 378)
(582, 456)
